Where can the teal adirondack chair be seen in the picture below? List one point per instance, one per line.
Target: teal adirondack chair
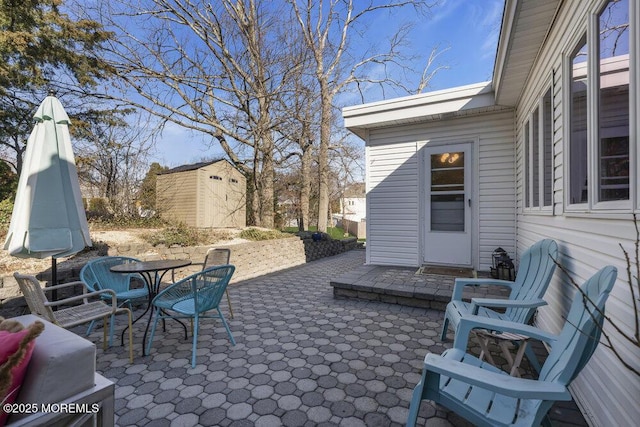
(487, 396)
(96, 275)
(534, 274)
(191, 298)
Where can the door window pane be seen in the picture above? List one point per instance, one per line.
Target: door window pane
(447, 212)
(447, 192)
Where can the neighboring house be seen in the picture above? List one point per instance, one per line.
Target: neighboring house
(353, 211)
(288, 210)
(353, 203)
(204, 195)
(548, 148)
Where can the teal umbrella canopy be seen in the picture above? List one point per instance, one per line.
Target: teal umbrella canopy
(48, 218)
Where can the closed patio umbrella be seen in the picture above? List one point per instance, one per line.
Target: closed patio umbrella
(48, 218)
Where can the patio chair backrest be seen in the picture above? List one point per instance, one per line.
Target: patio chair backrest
(534, 275)
(203, 290)
(216, 256)
(96, 274)
(35, 296)
(582, 329)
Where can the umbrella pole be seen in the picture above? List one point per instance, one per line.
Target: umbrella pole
(54, 278)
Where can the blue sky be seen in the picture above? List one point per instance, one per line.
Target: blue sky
(467, 29)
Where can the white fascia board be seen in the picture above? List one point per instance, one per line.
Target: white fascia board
(504, 42)
(430, 105)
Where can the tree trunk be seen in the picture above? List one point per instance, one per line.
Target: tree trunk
(267, 194)
(305, 188)
(323, 159)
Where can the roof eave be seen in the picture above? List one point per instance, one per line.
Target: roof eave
(428, 106)
(526, 24)
(508, 17)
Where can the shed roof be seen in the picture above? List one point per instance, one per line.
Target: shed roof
(191, 167)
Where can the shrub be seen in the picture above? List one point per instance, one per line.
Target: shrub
(260, 234)
(6, 207)
(98, 209)
(179, 234)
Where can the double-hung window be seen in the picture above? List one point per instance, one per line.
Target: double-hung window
(599, 110)
(538, 155)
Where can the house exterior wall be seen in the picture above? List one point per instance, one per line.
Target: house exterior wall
(176, 196)
(395, 190)
(588, 239)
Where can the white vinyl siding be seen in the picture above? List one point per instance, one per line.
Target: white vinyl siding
(605, 391)
(392, 204)
(395, 191)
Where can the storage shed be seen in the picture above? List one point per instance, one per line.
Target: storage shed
(203, 195)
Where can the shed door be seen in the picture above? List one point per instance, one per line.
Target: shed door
(447, 237)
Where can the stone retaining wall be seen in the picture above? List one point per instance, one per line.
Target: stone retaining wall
(251, 259)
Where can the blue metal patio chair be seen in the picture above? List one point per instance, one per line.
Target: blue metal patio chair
(96, 275)
(191, 298)
(214, 257)
(534, 274)
(487, 396)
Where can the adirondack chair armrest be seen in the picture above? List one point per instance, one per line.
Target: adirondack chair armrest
(470, 322)
(460, 283)
(496, 382)
(504, 303)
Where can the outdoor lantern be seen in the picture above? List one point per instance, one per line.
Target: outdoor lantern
(503, 267)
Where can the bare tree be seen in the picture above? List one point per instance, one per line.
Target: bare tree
(216, 68)
(328, 27)
(112, 158)
(227, 68)
(300, 110)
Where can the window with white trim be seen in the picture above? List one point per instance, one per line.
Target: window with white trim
(599, 113)
(538, 154)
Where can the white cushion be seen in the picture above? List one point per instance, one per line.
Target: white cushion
(63, 364)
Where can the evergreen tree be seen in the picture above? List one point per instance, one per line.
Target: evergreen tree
(147, 195)
(43, 49)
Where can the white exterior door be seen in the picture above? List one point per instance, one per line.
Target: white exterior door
(447, 235)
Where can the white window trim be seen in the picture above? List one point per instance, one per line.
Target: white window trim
(528, 157)
(634, 108)
(591, 30)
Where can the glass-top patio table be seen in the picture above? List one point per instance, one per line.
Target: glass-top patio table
(152, 272)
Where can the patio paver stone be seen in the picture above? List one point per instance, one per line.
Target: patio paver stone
(302, 358)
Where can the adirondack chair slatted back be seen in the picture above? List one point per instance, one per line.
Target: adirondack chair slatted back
(534, 275)
(581, 332)
(97, 274)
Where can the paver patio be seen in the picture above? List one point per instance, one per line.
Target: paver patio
(302, 358)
